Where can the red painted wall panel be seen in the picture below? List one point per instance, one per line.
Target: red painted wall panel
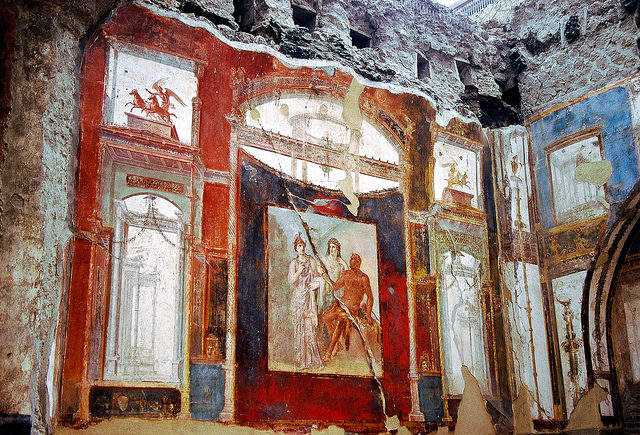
(77, 310)
(91, 96)
(215, 216)
(223, 69)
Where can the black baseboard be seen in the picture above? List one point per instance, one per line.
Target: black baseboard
(15, 424)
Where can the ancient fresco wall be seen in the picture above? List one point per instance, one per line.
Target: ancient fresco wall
(525, 299)
(460, 228)
(131, 110)
(609, 115)
(42, 80)
(160, 90)
(593, 141)
(567, 291)
(270, 385)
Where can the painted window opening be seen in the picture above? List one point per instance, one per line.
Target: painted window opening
(455, 176)
(150, 91)
(144, 333)
(578, 174)
(324, 149)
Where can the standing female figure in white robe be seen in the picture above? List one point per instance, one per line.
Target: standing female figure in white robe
(305, 280)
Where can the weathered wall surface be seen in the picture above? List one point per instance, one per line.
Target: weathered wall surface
(38, 171)
(37, 188)
(37, 160)
(433, 30)
(558, 70)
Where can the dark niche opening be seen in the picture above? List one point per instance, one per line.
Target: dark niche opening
(359, 39)
(464, 71)
(244, 14)
(304, 17)
(423, 67)
(189, 7)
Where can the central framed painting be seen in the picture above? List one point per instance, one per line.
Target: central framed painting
(320, 307)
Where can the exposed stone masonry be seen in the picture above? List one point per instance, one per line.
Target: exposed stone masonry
(37, 193)
(556, 70)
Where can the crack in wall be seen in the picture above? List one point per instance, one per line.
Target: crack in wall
(353, 118)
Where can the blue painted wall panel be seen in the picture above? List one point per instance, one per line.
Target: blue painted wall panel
(430, 396)
(611, 111)
(206, 382)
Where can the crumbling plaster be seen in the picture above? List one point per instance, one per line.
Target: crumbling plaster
(433, 30)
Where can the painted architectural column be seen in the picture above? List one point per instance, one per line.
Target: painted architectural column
(414, 377)
(431, 224)
(111, 353)
(227, 413)
(184, 307)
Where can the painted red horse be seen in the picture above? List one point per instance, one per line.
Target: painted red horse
(138, 103)
(151, 107)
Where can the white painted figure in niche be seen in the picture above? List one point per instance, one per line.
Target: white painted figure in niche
(578, 174)
(567, 292)
(456, 173)
(294, 291)
(463, 320)
(305, 279)
(151, 91)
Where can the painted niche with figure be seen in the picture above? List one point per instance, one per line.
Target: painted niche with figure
(150, 91)
(308, 329)
(463, 332)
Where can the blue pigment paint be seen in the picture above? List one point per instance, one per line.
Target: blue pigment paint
(430, 395)
(206, 391)
(611, 111)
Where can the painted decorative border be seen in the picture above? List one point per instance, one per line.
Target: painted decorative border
(573, 240)
(155, 184)
(105, 402)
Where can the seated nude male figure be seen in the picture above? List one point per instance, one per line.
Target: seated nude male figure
(356, 286)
